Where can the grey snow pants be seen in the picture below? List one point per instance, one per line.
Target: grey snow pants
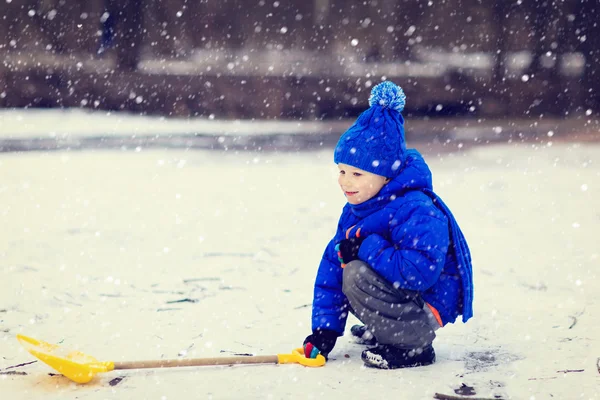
(394, 316)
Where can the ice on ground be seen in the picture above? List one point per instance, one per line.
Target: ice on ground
(171, 254)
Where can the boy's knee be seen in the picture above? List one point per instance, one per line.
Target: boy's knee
(352, 273)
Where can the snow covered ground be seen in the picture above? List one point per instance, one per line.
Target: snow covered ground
(133, 255)
(87, 124)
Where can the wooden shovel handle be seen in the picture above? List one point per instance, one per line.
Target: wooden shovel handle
(197, 362)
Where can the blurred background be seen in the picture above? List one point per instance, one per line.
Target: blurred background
(302, 59)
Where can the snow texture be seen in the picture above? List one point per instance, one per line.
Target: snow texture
(131, 255)
(77, 123)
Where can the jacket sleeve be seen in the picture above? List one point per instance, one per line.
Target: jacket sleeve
(329, 309)
(415, 253)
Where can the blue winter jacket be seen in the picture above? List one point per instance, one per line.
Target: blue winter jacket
(411, 239)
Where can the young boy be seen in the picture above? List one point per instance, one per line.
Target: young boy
(398, 261)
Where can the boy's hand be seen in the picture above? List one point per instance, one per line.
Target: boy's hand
(347, 249)
(321, 341)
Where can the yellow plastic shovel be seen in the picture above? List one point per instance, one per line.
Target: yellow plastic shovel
(81, 368)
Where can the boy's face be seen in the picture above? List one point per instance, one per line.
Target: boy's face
(358, 185)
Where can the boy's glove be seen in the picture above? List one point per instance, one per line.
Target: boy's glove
(321, 341)
(347, 249)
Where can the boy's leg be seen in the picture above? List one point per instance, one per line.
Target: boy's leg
(395, 316)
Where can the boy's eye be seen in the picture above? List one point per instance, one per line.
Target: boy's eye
(357, 174)
(342, 172)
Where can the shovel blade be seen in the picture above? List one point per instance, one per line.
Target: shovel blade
(75, 365)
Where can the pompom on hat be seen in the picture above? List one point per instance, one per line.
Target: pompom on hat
(375, 142)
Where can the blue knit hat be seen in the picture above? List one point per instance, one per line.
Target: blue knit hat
(375, 142)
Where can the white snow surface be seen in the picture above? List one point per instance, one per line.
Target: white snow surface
(81, 123)
(96, 244)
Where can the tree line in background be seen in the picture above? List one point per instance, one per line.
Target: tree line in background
(124, 33)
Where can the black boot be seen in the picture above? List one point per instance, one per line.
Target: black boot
(385, 356)
(362, 335)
